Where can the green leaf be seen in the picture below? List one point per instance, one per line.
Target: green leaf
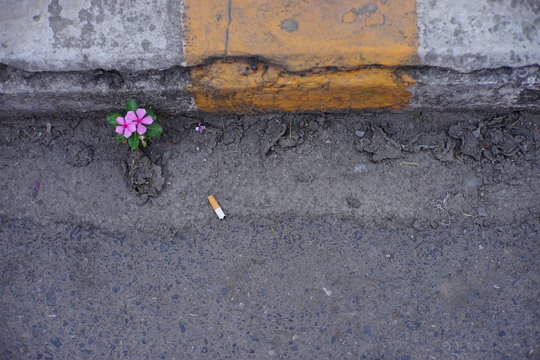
(153, 130)
(133, 141)
(150, 112)
(121, 138)
(111, 118)
(131, 105)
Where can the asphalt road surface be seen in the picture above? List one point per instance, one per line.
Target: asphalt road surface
(346, 237)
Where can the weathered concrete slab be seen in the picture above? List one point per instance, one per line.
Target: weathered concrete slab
(461, 35)
(312, 55)
(23, 92)
(80, 35)
(467, 35)
(490, 89)
(302, 35)
(289, 55)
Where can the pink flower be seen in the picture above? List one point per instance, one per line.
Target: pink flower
(126, 128)
(139, 119)
(200, 128)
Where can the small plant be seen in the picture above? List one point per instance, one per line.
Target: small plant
(200, 127)
(137, 126)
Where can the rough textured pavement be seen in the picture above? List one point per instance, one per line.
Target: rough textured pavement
(361, 235)
(285, 288)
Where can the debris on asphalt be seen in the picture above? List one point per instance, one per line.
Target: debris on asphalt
(482, 212)
(144, 177)
(217, 208)
(359, 133)
(200, 128)
(79, 154)
(328, 292)
(36, 186)
(380, 146)
(360, 168)
(494, 139)
(353, 202)
(275, 130)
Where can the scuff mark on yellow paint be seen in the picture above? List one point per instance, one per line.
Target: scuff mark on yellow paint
(241, 86)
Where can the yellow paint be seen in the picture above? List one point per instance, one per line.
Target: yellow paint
(243, 86)
(302, 34)
(317, 54)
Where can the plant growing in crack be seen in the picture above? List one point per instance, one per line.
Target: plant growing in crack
(137, 126)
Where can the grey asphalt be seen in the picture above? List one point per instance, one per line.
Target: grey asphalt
(269, 288)
(377, 236)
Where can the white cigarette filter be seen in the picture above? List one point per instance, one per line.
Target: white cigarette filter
(216, 207)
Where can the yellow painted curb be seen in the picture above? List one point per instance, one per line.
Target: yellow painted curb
(243, 86)
(315, 54)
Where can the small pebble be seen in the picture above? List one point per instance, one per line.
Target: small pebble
(359, 133)
(56, 342)
(50, 298)
(328, 292)
(360, 168)
(164, 247)
(182, 327)
(482, 212)
(495, 286)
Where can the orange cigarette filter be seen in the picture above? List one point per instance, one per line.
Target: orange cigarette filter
(215, 205)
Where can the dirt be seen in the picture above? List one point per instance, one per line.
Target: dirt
(426, 170)
(79, 154)
(356, 235)
(144, 177)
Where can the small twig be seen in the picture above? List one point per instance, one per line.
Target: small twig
(412, 163)
(290, 129)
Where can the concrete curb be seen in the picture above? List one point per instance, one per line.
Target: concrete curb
(279, 55)
(23, 93)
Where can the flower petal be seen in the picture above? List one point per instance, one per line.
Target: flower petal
(147, 120)
(141, 129)
(119, 130)
(131, 127)
(130, 116)
(120, 120)
(127, 133)
(141, 113)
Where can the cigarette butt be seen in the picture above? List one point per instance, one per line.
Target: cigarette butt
(216, 207)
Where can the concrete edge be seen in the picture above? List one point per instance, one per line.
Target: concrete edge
(23, 92)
